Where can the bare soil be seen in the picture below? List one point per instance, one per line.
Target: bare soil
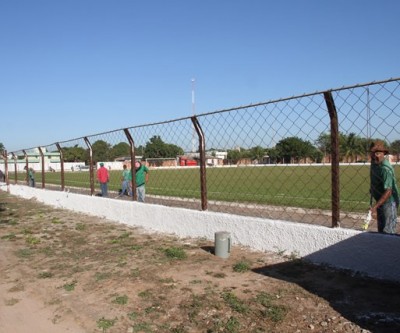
(66, 272)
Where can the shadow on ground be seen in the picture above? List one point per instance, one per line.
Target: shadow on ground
(372, 304)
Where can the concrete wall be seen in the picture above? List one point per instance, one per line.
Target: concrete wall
(372, 254)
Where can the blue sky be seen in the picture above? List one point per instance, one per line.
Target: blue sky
(78, 67)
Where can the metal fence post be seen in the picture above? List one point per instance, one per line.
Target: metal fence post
(7, 181)
(62, 166)
(330, 103)
(91, 170)
(202, 151)
(26, 167)
(133, 161)
(15, 168)
(43, 166)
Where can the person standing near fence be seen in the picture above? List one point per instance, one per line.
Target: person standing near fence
(103, 178)
(126, 179)
(142, 177)
(31, 176)
(383, 189)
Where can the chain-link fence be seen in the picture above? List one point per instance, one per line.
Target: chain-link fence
(302, 159)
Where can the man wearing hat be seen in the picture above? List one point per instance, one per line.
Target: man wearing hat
(103, 178)
(383, 189)
(141, 178)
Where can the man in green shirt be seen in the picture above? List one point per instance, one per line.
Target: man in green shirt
(383, 189)
(142, 177)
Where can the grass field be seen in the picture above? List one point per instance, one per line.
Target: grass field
(294, 186)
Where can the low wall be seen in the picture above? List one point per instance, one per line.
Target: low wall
(372, 254)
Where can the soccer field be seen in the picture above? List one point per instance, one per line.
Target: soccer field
(280, 185)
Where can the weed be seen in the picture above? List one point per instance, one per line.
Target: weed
(135, 272)
(45, 275)
(124, 235)
(136, 247)
(232, 325)
(274, 312)
(105, 324)
(31, 240)
(24, 253)
(55, 220)
(175, 253)
(80, 226)
(195, 282)
(234, 302)
(142, 327)
(195, 306)
(121, 300)
(11, 301)
(167, 280)
(102, 276)
(145, 294)
(26, 231)
(132, 315)
(219, 275)
(264, 299)
(241, 266)
(11, 236)
(70, 286)
(48, 251)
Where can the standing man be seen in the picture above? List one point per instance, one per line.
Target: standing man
(142, 177)
(103, 178)
(383, 189)
(31, 176)
(126, 179)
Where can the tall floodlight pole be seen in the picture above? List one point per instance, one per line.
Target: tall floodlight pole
(193, 111)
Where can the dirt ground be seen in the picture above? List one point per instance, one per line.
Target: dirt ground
(66, 272)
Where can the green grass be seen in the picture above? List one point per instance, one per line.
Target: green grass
(294, 186)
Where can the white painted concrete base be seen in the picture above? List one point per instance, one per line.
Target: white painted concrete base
(372, 254)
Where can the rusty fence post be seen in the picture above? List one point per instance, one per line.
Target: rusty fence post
(91, 170)
(133, 161)
(202, 151)
(62, 166)
(26, 166)
(43, 166)
(330, 103)
(6, 178)
(15, 168)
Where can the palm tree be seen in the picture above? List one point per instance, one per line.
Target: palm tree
(352, 147)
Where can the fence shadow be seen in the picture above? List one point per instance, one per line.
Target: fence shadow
(370, 303)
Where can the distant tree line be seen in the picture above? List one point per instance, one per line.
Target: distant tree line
(352, 148)
(103, 151)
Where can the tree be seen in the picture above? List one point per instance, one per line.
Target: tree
(294, 149)
(395, 148)
(101, 151)
(234, 156)
(273, 155)
(352, 147)
(75, 154)
(157, 148)
(119, 150)
(1, 148)
(257, 153)
(324, 143)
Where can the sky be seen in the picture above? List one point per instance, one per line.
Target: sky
(74, 68)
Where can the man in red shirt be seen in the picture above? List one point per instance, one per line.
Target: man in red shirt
(103, 177)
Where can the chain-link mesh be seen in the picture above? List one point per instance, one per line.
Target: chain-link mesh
(270, 160)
